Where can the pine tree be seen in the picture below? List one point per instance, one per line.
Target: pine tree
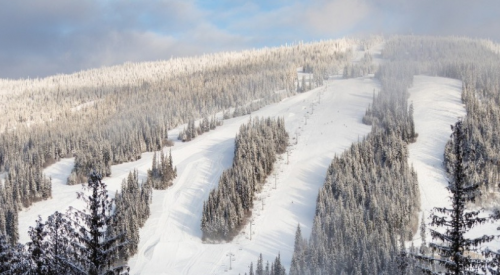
(37, 249)
(60, 232)
(297, 258)
(5, 254)
(277, 268)
(12, 223)
(423, 237)
(402, 258)
(260, 266)
(97, 246)
(454, 248)
(412, 135)
(493, 264)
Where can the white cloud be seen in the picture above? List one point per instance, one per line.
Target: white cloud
(39, 38)
(333, 17)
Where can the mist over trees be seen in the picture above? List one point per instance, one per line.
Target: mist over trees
(335, 248)
(476, 63)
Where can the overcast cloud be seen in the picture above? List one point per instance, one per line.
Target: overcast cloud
(40, 38)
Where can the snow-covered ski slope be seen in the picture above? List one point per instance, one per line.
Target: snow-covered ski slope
(326, 121)
(437, 105)
(171, 239)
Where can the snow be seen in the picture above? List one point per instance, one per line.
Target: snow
(83, 106)
(437, 105)
(171, 238)
(328, 116)
(62, 197)
(325, 121)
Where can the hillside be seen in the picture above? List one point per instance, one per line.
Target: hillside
(325, 117)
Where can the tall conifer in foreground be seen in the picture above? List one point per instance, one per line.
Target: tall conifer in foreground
(452, 247)
(97, 246)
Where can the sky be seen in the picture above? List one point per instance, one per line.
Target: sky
(41, 37)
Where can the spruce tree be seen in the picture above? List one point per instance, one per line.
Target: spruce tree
(454, 247)
(493, 263)
(40, 263)
(60, 232)
(5, 254)
(97, 245)
(297, 258)
(423, 232)
(260, 266)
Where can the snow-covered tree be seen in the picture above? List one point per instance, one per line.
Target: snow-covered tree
(96, 245)
(256, 147)
(452, 245)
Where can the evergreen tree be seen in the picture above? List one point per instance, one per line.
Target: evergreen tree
(260, 266)
(97, 247)
(454, 247)
(5, 255)
(59, 248)
(37, 249)
(277, 268)
(256, 147)
(402, 258)
(297, 258)
(162, 173)
(412, 133)
(423, 236)
(493, 257)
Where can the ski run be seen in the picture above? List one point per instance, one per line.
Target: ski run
(321, 123)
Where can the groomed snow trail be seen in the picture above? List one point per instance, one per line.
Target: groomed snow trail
(437, 105)
(171, 239)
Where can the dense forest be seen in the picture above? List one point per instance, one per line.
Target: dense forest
(229, 206)
(106, 232)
